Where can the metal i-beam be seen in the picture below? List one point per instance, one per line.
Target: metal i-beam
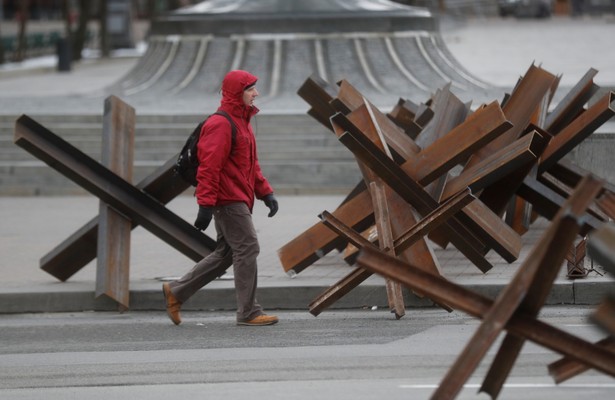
(476, 305)
(568, 108)
(113, 190)
(577, 131)
(76, 251)
(407, 239)
(113, 261)
(535, 278)
(547, 202)
(318, 240)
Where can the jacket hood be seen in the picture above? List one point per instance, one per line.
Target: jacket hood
(233, 85)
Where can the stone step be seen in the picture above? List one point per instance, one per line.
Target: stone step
(296, 153)
(36, 178)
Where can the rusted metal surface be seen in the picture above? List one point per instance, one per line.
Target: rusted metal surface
(113, 255)
(383, 217)
(517, 306)
(572, 104)
(456, 146)
(415, 194)
(80, 248)
(601, 246)
(476, 305)
(576, 260)
(408, 189)
(566, 368)
(502, 148)
(318, 240)
(527, 291)
(577, 131)
(318, 93)
(519, 109)
(571, 174)
(547, 202)
(98, 180)
(449, 112)
(404, 241)
(522, 152)
(404, 117)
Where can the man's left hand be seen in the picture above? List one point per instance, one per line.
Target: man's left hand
(272, 204)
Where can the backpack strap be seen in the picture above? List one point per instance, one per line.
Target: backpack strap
(230, 120)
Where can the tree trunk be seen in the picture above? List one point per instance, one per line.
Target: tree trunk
(82, 28)
(151, 10)
(2, 59)
(104, 36)
(22, 44)
(68, 23)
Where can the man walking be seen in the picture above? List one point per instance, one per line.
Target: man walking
(228, 180)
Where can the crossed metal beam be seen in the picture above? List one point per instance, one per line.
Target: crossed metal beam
(515, 309)
(143, 204)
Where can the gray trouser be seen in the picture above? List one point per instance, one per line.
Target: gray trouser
(237, 245)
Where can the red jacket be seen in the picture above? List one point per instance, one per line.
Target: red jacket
(230, 173)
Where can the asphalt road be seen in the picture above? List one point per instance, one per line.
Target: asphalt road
(360, 354)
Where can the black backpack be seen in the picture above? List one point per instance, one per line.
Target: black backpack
(188, 162)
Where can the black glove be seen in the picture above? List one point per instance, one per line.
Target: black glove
(272, 204)
(203, 218)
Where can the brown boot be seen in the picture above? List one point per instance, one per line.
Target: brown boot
(173, 305)
(260, 320)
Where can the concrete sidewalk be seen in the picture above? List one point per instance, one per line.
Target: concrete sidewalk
(33, 226)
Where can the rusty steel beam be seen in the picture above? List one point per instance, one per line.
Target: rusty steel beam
(606, 203)
(113, 190)
(519, 109)
(318, 93)
(403, 116)
(571, 174)
(113, 248)
(498, 195)
(409, 190)
(497, 235)
(577, 131)
(522, 151)
(601, 247)
(547, 202)
(449, 112)
(567, 367)
(79, 249)
(350, 99)
(318, 240)
(572, 104)
(527, 291)
(351, 280)
(424, 114)
(543, 264)
(383, 216)
(479, 129)
(407, 239)
(564, 191)
(476, 305)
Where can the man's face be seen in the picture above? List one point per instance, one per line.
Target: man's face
(249, 95)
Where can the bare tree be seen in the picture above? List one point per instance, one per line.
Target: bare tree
(152, 10)
(104, 36)
(22, 44)
(82, 28)
(1, 48)
(68, 20)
